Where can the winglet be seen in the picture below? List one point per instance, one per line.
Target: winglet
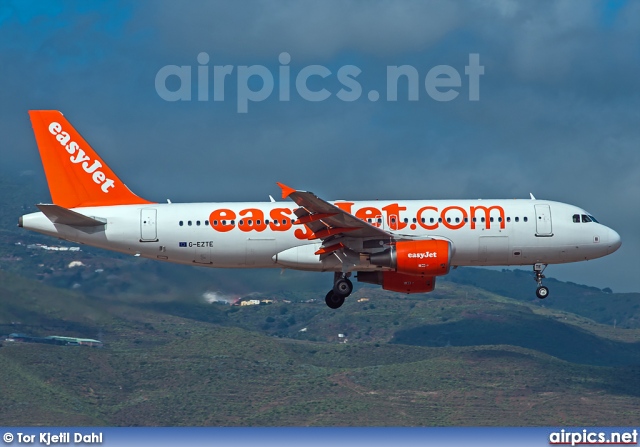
(286, 190)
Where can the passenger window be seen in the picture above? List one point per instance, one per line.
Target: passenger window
(379, 221)
(508, 219)
(415, 220)
(233, 222)
(457, 219)
(431, 220)
(181, 223)
(206, 223)
(215, 222)
(266, 221)
(466, 219)
(474, 219)
(406, 220)
(241, 222)
(440, 219)
(525, 219)
(576, 218)
(517, 219)
(499, 219)
(258, 222)
(448, 220)
(482, 219)
(423, 220)
(491, 219)
(189, 223)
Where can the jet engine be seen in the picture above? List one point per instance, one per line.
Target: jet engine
(421, 258)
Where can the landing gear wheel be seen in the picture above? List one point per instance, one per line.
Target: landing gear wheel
(343, 287)
(542, 292)
(333, 300)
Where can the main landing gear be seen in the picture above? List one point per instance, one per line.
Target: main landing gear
(541, 292)
(342, 288)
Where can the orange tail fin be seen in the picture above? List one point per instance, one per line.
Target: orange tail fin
(76, 175)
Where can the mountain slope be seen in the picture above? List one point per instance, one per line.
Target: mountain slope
(179, 361)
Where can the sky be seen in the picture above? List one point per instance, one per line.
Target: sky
(556, 111)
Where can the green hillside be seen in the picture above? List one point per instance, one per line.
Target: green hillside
(620, 309)
(183, 362)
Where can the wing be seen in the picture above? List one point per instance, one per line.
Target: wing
(329, 223)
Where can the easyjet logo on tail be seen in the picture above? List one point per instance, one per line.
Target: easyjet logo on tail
(79, 157)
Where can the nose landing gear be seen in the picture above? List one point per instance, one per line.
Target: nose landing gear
(541, 292)
(342, 288)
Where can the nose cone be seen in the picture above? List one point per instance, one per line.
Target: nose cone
(614, 241)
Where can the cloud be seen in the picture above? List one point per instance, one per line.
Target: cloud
(309, 29)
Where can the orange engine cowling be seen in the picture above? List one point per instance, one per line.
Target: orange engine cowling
(399, 282)
(421, 258)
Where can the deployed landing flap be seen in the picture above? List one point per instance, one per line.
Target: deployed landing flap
(61, 215)
(327, 220)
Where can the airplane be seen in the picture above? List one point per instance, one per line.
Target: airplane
(401, 245)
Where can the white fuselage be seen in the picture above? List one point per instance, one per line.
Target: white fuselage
(246, 235)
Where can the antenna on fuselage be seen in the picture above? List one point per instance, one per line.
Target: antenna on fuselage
(532, 198)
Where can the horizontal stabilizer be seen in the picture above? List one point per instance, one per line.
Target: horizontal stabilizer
(60, 215)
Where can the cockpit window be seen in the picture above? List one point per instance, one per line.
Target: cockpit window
(585, 218)
(593, 218)
(576, 218)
